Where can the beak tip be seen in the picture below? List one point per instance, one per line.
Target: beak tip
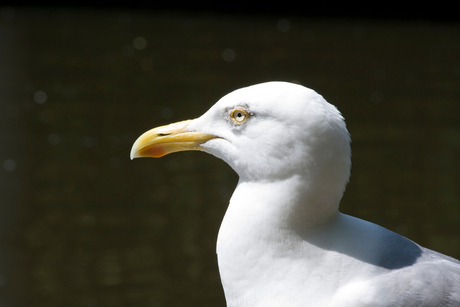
(133, 154)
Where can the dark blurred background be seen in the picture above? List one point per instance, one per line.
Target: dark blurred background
(82, 225)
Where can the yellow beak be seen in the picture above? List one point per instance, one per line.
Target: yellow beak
(167, 139)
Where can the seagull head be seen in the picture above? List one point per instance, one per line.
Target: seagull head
(265, 132)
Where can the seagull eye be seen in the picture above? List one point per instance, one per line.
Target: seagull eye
(239, 115)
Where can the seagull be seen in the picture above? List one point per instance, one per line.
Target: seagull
(283, 241)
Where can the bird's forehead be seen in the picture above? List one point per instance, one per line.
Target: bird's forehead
(276, 100)
(259, 100)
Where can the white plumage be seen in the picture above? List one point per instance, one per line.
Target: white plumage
(283, 241)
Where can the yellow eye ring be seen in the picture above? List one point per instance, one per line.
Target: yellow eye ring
(239, 115)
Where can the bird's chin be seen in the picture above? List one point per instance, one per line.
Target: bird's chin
(220, 148)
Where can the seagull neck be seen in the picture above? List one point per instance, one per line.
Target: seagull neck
(290, 203)
(265, 223)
